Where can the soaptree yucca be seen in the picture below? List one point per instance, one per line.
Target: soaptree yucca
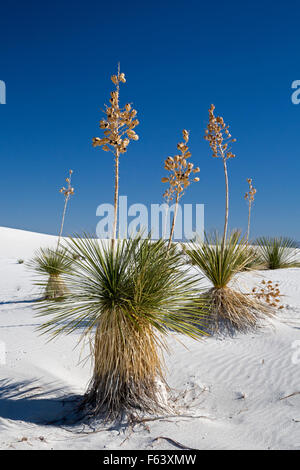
(52, 264)
(126, 298)
(219, 138)
(229, 309)
(255, 262)
(181, 175)
(67, 192)
(278, 252)
(118, 129)
(249, 196)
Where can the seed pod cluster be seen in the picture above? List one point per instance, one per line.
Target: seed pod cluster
(69, 190)
(251, 193)
(118, 127)
(218, 136)
(181, 172)
(269, 293)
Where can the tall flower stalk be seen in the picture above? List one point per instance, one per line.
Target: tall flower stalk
(167, 196)
(67, 192)
(249, 196)
(180, 177)
(118, 131)
(219, 138)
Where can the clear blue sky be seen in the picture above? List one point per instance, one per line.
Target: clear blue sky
(179, 57)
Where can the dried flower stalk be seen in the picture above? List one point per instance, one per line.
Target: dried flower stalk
(269, 293)
(219, 138)
(250, 197)
(67, 192)
(167, 196)
(118, 130)
(180, 176)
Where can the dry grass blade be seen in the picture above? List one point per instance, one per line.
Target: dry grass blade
(173, 442)
(289, 396)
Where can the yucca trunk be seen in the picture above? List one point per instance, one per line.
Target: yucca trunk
(248, 228)
(62, 222)
(127, 369)
(116, 198)
(164, 234)
(174, 220)
(55, 287)
(226, 204)
(232, 311)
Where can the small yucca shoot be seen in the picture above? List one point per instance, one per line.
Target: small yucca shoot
(126, 299)
(230, 310)
(278, 252)
(118, 130)
(181, 174)
(52, 264)
(219, 138)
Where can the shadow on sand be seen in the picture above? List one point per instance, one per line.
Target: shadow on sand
(27, 401)
(10, 302)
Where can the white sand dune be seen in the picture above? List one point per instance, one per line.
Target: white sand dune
(235, 389)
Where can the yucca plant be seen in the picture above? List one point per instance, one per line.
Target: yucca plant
(219, 138)
(181, 174)
(278, 252)
(255, 261)
(67, 192)
(118, 129)
(249, 196)
(126, 298)
(52, 264)
(229, 310)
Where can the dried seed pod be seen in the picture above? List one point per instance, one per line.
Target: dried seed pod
(118, 121)
(252, 191)
(179, 176)
(218, 136)
(269, 293)
(179, 169)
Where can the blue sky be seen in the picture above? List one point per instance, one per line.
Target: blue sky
(179, 57)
